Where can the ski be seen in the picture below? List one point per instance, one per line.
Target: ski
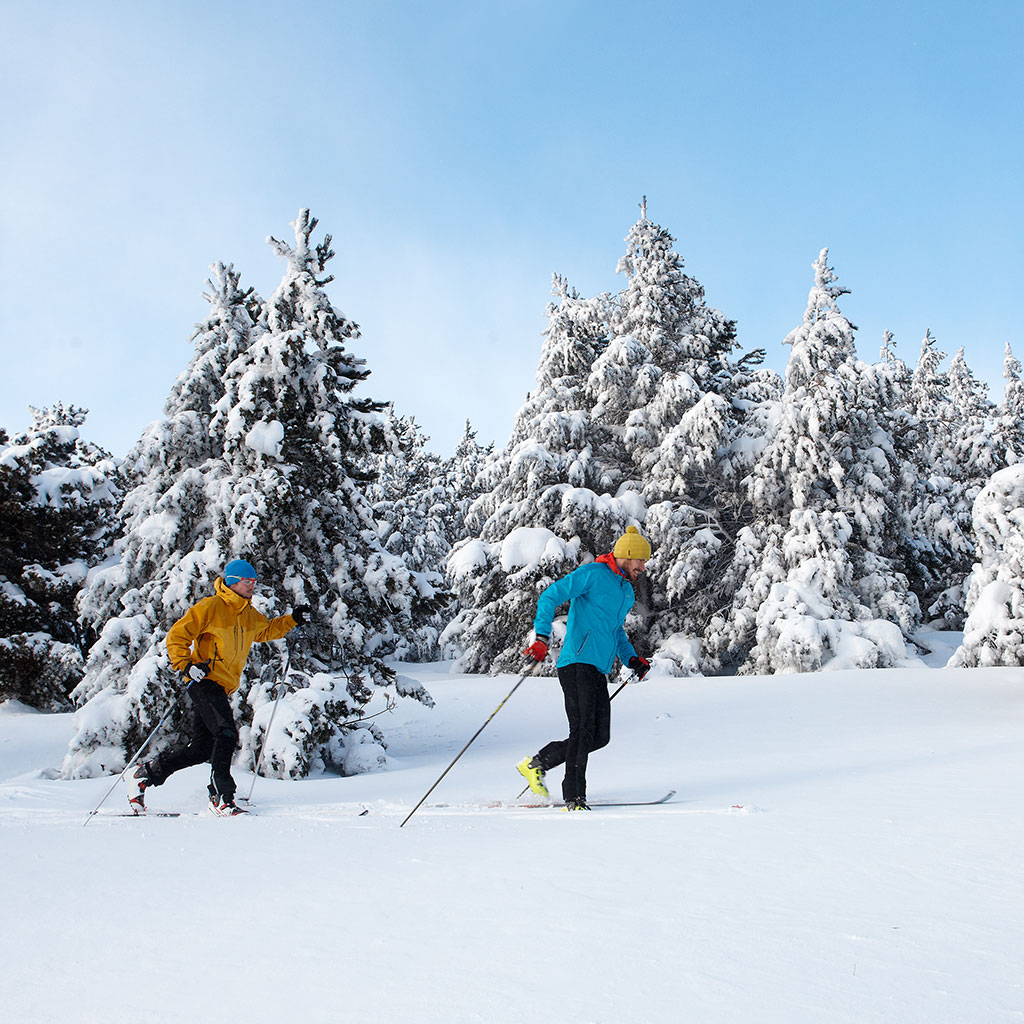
(165, 814)
(131, 814)
(607, 803)
(635, 803)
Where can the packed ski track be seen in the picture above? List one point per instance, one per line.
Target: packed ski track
(840, 847)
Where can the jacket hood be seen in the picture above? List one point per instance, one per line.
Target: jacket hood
(609, 560)
(225, 593)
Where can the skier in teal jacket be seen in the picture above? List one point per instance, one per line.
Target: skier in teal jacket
(600, 595)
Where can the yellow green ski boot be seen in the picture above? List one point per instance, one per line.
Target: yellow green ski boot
(534, 775)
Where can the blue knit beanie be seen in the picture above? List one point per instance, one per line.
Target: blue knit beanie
(237, 570)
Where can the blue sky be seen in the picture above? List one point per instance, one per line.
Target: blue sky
(460, 152)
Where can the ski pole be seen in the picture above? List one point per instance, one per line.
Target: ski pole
(519, 682)
(273, 711)
(611, 698)
(263, 745)
(138, 753)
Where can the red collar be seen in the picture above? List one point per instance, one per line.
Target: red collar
(609, 560)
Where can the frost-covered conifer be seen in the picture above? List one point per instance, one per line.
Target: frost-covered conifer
(264, 455)
(462, 479)
(413, 507)
(546, 504)
(658, 324)
(975, 450)
(693, 470)
(951, 412)
(672, 400)
(814, 572)
(554, 450)
(873, 493)
(58, 496)
(994, 630)
(1008, 425)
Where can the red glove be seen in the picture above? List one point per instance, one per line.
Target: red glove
(640, 666)
(538, 650)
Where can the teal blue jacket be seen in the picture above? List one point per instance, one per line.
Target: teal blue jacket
(600, 598)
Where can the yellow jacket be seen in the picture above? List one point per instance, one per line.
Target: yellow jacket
(220, 630)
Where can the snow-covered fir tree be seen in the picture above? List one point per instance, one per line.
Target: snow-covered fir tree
(462, 479)
(994, 630)
(546, 505)
(691, 397)
(263, 454)
(58, 500)
(638, 400)
(414, 508)
(1007, 427)
(696, 514)
(814, 572)
(975, 447)
(650, 331)
(951, 411)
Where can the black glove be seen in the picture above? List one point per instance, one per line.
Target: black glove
(640, 666)
(198, 671)
(300, 614)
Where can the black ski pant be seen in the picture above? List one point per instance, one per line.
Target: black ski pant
(214, 738)
(589, 710)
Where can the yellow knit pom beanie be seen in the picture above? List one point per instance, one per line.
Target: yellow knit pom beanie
(632, 545)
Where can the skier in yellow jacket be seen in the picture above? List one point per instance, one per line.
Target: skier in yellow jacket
(210, 644)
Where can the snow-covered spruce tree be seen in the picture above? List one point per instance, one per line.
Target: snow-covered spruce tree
(413, 508)
(697, 506)
(691, 399)
(953, 456)
(931, 538)
(462, 479)
(818, 556)
(896, 484)
(650, 331)
(1008, 426)
(994, 630)
(58, 495)
(975, 450)
(873, 492)
(308, 445)
(279, 481)
(546, 505)
(670, 400)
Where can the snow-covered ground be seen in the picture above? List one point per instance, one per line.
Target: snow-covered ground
(873, 873)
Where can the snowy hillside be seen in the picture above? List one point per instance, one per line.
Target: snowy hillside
(871, 874)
